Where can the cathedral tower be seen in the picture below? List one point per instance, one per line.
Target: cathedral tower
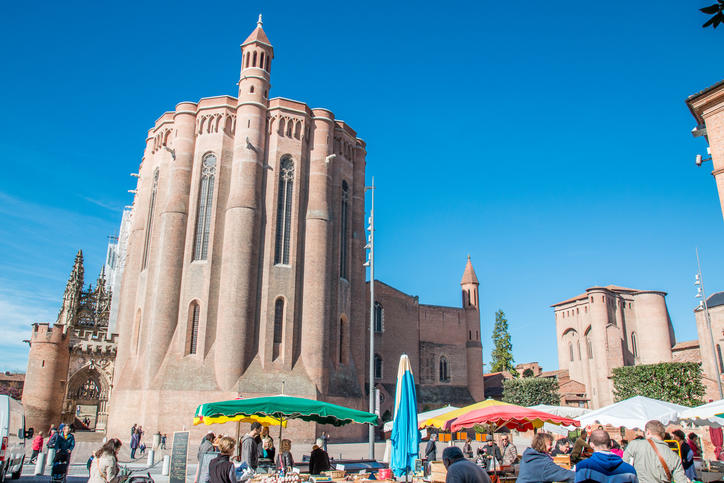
(49, 357)
(244, 261)
(473, 348)
(237, 336)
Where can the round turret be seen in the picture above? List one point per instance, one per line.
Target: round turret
(46, 376)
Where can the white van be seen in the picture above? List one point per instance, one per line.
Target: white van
(12, 438)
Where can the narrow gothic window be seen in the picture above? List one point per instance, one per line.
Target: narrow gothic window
(634, 347)
(253, 62)
(570, 351)
(344, 213)
(378, 366)
(261, 60)
(193, 327)
(149, 219)
(721, 362)
(379, 317)
(341, 341)
(278, 320)
(444, 374)
(284, 211)
(589, 348)
(204, 209)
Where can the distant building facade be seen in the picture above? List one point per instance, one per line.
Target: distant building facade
(443, 344)
(707, 107)
(608, 327)
(71, 363)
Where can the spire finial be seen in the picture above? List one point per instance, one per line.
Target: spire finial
(259, 23)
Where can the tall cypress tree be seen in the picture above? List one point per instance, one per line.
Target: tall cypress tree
(502, 356)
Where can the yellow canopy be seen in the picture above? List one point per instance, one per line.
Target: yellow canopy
(444, 420)
(264, 420)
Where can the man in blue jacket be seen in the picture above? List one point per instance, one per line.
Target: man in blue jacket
(604, 466)
(537, 466)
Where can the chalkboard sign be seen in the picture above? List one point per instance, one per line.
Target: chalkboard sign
(177, 473)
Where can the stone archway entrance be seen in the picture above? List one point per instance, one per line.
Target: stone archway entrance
(87, 398)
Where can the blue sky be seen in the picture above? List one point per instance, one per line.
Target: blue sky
(548, 140)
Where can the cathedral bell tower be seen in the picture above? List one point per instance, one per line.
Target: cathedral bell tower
(473, 348)
(236, 337)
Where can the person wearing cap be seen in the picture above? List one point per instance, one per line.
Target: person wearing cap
(318, 459)
(460, 470)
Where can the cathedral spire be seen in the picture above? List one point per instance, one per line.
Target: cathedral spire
(469, 276)
(73, 289)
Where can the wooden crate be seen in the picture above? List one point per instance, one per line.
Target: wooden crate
(438, 472)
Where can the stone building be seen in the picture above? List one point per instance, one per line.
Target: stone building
(443, 344)
(243, 271)
(608, 327)
(707, 107)
(70, 364)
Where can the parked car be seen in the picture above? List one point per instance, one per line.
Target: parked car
(12, 438)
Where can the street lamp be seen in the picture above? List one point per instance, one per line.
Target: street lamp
(701, 294)
(371, 264)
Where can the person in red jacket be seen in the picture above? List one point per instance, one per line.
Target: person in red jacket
(37, 446)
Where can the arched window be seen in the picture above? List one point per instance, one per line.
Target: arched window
(149, 219)
(578, 344)
(378, 366)
(204, 207)
(589, 347)
(342, 352)
(284, 211)
(261, 60)
(290, 127)
(444, 374)
(379, 317)
(278, 320)
(298, 130)
(137, 331)
(343, 231)
(281, 127)
(634, 345)
(248, 56)
(253, 61)
(570, 350)
(268, 63)
(193, 337)
(719, 358)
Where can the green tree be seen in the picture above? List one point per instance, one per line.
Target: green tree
(502, 356)
(675, 382)
(528, 373)
(530, 391)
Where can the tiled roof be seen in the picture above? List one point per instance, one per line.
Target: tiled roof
(469, 274)
(257, 35)
(689, 344)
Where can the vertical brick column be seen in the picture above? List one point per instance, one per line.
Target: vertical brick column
(315, 326)
(236, 333)
(173, 219)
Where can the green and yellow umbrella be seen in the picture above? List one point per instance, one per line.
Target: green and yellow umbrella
(276, 410)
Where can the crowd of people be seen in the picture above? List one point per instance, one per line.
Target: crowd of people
(254, 453)
(594, 457)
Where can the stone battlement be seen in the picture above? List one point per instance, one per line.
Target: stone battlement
(43, 332)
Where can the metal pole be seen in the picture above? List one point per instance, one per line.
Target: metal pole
(708, 326)
(371, 262)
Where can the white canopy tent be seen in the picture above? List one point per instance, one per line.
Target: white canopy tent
(564, 411)
(423, 416)
(705, 415)
(634, 413)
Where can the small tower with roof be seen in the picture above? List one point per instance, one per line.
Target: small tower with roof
(473, 348)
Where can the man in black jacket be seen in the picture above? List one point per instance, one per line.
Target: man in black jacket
(460, 470)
